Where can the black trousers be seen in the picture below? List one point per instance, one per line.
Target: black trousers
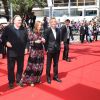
(11, 66)
(82, 38)
(1, 48)
(55, 57)
(96, 36)
(66, 49)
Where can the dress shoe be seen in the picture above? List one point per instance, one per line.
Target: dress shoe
(20, 84)
(68, 60)
(17, 82)
(64, 58)
(57, 79)
(48, 81)
(11, 85)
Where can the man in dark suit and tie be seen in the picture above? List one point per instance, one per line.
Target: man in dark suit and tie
(52, 45)
(15, 38)
(66, 32)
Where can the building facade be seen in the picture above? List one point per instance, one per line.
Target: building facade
(73, 9)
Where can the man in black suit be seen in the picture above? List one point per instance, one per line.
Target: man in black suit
(32, 20)
(95, 32)
(66, 31)
(15, 38)
(84, 32)
(52, 45)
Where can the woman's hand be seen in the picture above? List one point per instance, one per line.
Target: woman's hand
(43, 40)
(8, 44)
(38, 41)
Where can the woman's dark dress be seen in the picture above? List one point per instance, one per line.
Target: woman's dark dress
(35, 64)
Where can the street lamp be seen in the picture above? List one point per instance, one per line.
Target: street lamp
(99, 8)
(84, 10)
(50, 5)
(69, 7)
(11, 9)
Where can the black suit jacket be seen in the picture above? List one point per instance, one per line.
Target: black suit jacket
(18, 42)
(84, 30)
(64, 33)
(52, 44)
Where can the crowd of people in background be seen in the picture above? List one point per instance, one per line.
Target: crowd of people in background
(87, 30)
(36, 36)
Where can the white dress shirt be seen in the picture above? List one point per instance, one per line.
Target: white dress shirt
(54, 32)
(68, 32)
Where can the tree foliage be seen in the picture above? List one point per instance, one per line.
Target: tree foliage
(6, 6)
(22, 6)
(25, 6)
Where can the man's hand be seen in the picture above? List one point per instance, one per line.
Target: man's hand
(8, 44)
(26, 51)
(1, 56)
(62, 43)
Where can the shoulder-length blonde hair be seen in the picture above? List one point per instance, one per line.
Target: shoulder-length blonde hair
(36, 27)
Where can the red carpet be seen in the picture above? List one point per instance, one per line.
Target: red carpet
(80, 78)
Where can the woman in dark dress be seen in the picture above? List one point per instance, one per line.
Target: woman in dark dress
(34, 68)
